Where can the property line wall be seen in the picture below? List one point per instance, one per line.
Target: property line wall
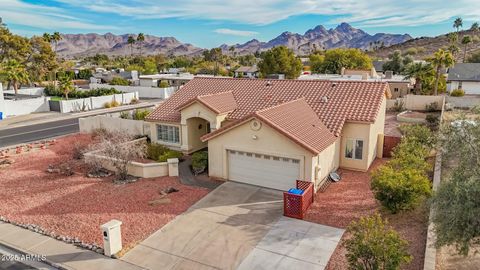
(25, 106)
(91, 103)
(143, 91)
(112, 124)
(36, 91)
(417, 102)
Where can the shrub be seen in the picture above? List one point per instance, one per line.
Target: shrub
(124, 115)
(112, 104)
(398, 106)
(457, 93)
(200, 160)
(119, 81)
(433, 121)
(432, 107)
(169, 154)
(140, 114)
(418, 134)
(399, 189)
(134, 101)
(375, 245)
(50, 90)
(107, 105)
(154, 150)
(163, 84)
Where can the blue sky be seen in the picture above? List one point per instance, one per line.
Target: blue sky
(209, 23)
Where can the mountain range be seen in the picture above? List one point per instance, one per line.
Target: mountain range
(344, 35)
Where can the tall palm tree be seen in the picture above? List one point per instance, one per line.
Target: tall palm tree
(130, 42)
(140, 40)
(56, 37)
(458, 23)
(66, 85)
(15, 73)
(441, 59)
(465, 41)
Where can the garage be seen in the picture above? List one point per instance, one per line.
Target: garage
(263, 170)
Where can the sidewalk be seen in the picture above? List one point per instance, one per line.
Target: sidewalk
(58, 254)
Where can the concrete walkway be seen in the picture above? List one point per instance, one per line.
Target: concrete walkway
(59, 254)
(294, 244)
(187, 178)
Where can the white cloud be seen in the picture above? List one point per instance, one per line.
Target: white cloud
(44, 17)
(233, 32)
(262, 12)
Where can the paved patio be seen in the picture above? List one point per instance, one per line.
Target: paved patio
(233, 223)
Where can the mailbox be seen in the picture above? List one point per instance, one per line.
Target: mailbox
(112, 237)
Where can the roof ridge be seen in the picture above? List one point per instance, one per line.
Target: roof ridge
(215, 94)
(280, 104)
(310, 80)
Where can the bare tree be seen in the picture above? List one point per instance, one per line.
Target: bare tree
(121, 150)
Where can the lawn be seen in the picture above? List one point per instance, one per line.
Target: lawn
(350, 199)
(76, 205)
(56, 98)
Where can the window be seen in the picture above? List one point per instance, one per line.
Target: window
(354, 149)
(395, 89)
(169, 134)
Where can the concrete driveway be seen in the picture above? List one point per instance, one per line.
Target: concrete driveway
(235, 225)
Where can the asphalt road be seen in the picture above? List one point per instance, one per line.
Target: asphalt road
(30, 133)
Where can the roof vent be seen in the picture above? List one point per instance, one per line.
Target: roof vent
(324, 99)
(334, 84)
(269, 83)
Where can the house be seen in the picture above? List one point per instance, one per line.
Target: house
(464, 76)
(154, 80)
(104, 75)
(400, 86)
(246, 72)
(272, 132)
(378, 65)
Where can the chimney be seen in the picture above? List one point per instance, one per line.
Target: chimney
(388, 74)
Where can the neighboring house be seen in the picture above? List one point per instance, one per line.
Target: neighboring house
(246, 72)
(104, 75)
(272, 132)
(399, 85)
(465, 76)
(378, 65)
(172, 79)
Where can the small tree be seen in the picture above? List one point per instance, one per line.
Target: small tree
(66, 85)
(375, 245)
(121, 150)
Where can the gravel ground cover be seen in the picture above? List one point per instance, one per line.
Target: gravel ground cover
(75, 206)
(350, 199)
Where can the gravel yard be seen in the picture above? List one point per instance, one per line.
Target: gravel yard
(76, 205)
(352, 198)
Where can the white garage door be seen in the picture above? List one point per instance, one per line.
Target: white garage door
(263, 170)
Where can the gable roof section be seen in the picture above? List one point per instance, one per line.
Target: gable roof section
(250, 69)
(218, 103)
(334, 102)
(294, 119)
(464, 72)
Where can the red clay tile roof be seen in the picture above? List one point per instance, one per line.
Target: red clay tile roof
(333, 101)
(219, 103)
(294, 119)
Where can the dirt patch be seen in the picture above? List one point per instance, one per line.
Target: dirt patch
(350, 199)
(76, 205)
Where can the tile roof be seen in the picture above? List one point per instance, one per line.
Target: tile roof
(334, 102)
(219, 103)
(464, 72)
(294, 119)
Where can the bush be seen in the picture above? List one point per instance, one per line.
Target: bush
(112, 104)
(119, 81)
(418, 134)
(51, 91)
(163, 84)
(457, 93)
(125, 115)
(433, 121)
(169, 154)
(375, 245)
(140, 114)
(432, 107)
(398, 106)
(200, 160)
(154, 150)
(134, 101)
(399, 189)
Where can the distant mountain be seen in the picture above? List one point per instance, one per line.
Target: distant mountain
(343, 36)
(319, 37)
(90, 44)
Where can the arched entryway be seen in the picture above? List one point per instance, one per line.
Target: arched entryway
(197, 127)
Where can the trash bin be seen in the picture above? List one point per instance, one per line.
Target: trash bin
(1, 115)
(295, 191)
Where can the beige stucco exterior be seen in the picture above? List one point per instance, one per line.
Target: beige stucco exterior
(266, 141)
(399, 89)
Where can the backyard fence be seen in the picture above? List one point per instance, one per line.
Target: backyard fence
(113, 124)
(91, 103)
(294, 205)
(416, 102)
(390, 142)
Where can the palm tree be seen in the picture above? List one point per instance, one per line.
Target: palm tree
(441, 59)
(465, 41)
(15, 73)
(66, 85)
(47, 37)
(458, 23)
(418, 71)
(140, 39)
(56, 37)
(130, 42)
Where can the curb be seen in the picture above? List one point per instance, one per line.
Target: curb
(24, 252)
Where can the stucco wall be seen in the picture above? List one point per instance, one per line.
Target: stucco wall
(375, 129)
(36, 91)
(143, 91)
(197, 127)
(268, 141)
(327, 161)
(91, 103)
(417, 102)
(112, 124)
(25, 106)
(403, 89)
